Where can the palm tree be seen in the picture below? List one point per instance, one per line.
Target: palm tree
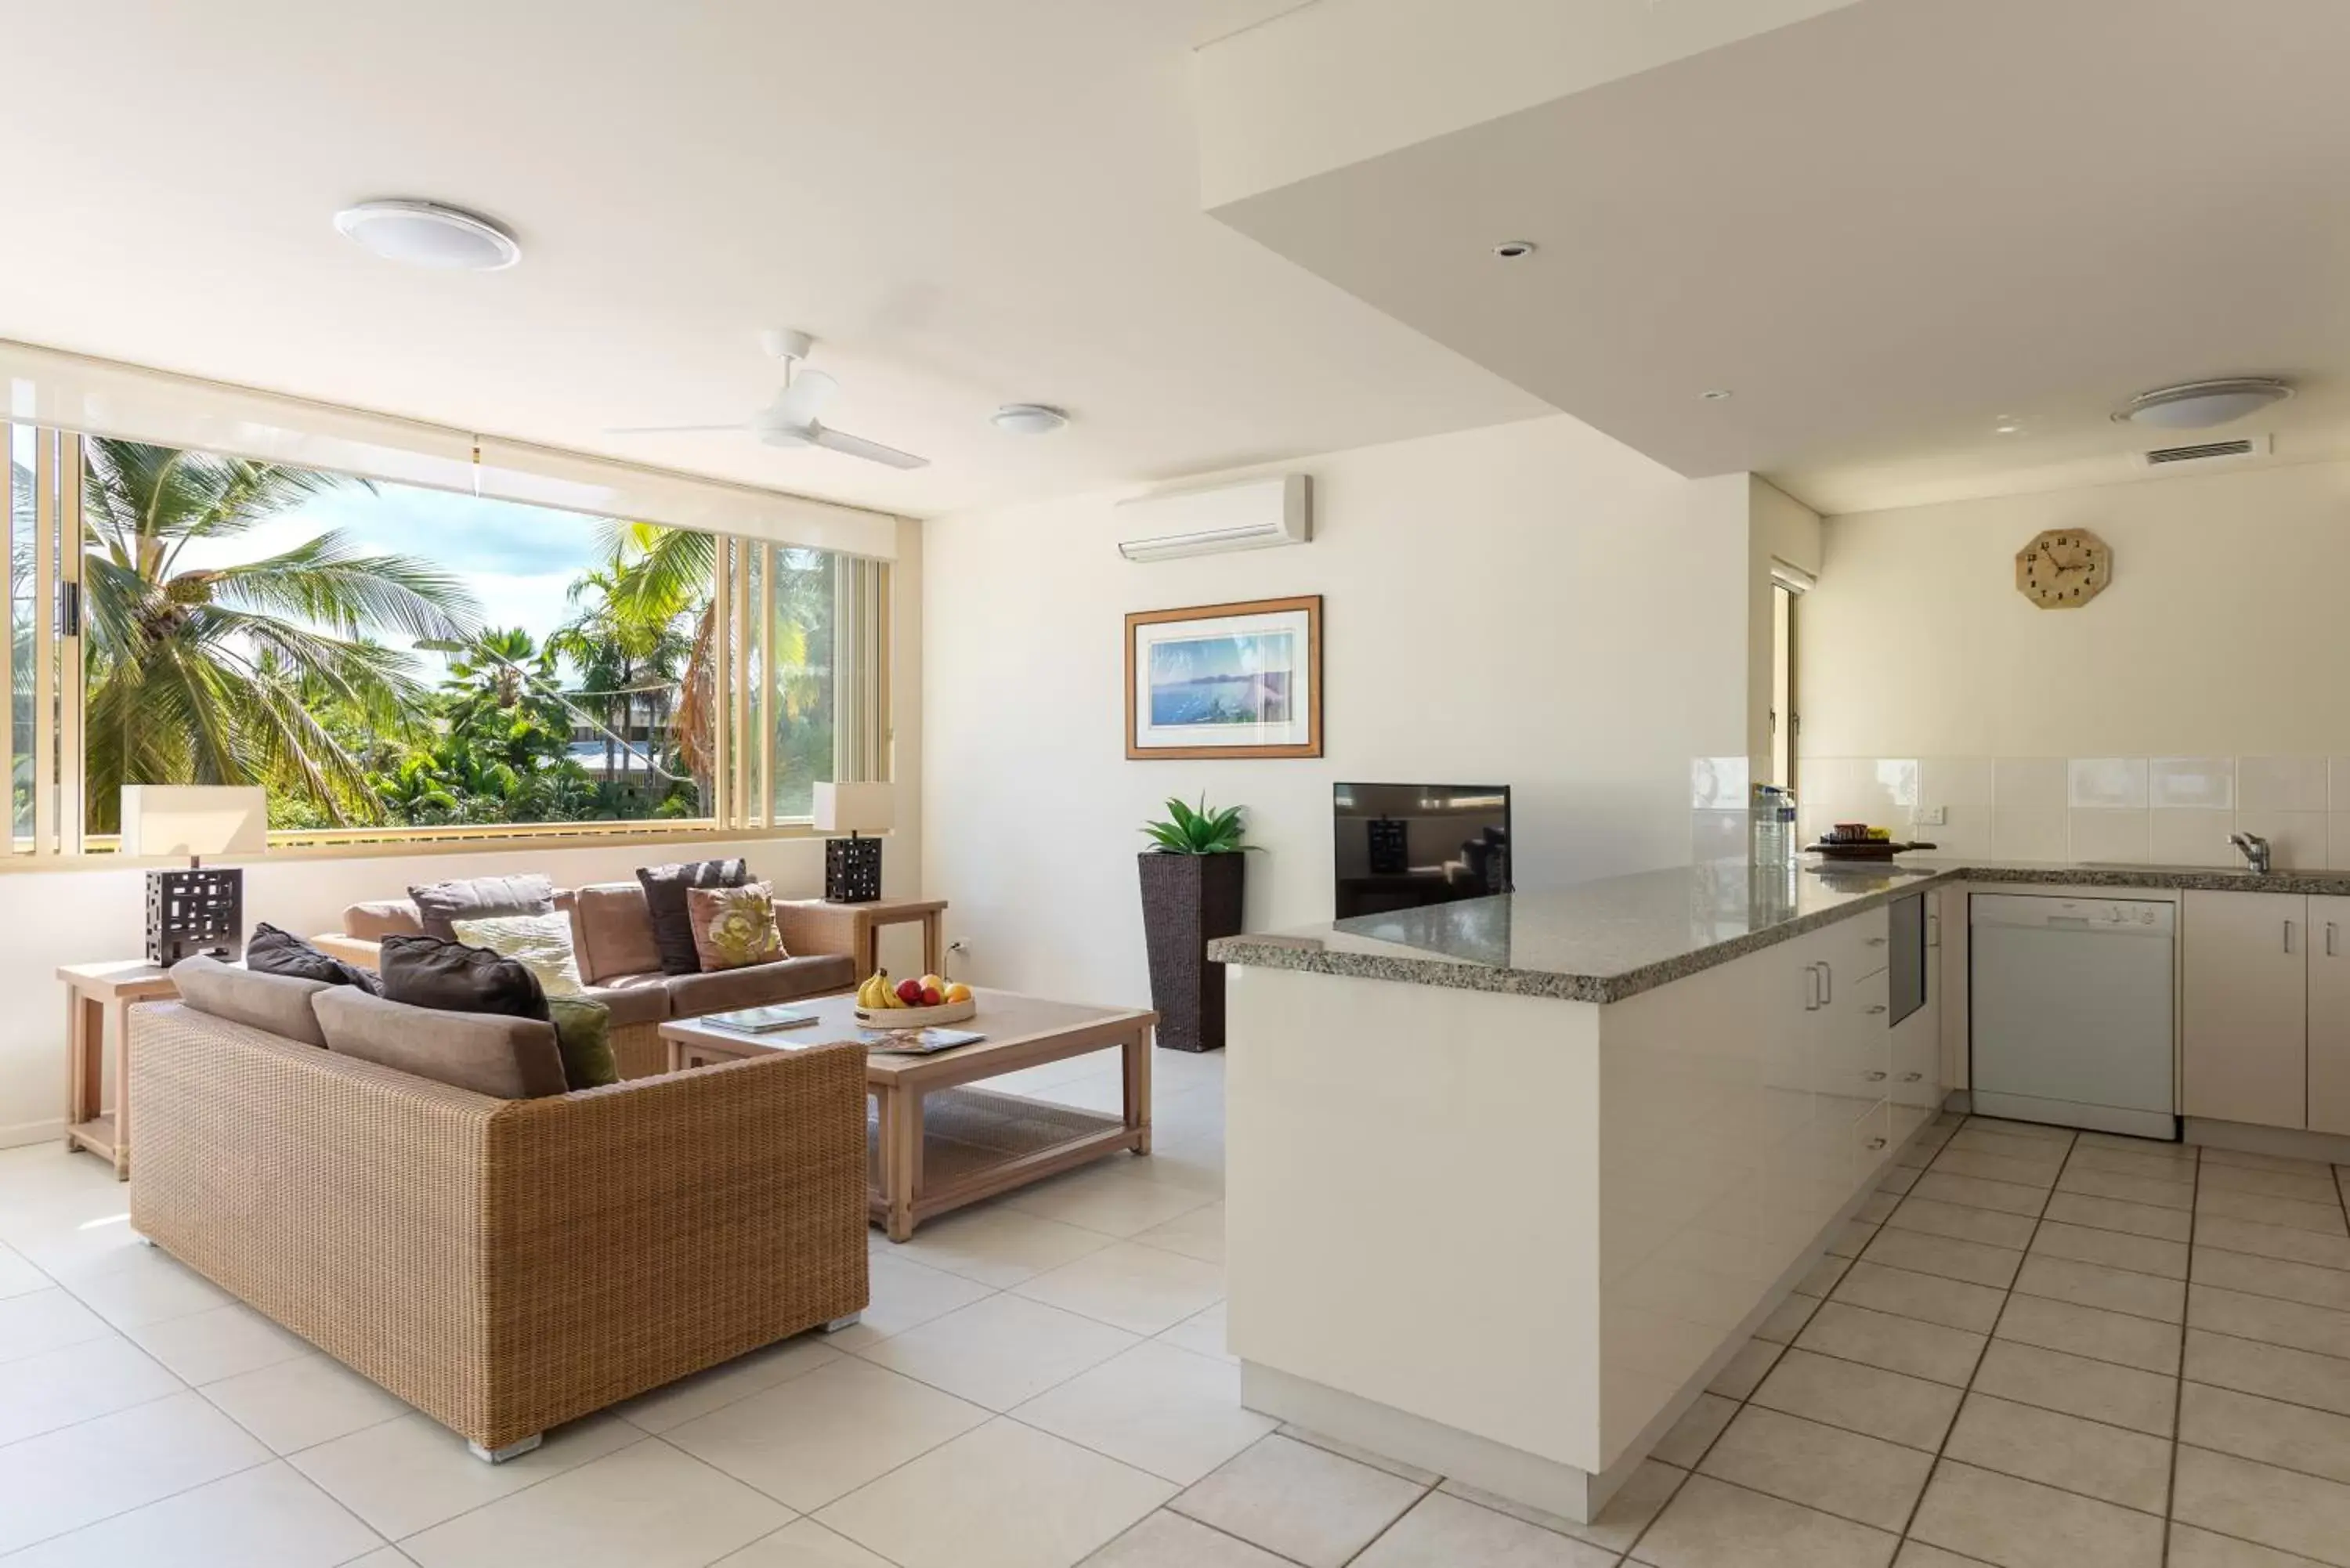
(213, 675)
(629, 663)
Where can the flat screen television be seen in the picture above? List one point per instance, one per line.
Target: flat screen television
(1400, 845)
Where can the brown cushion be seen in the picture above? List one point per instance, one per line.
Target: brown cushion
(505, 1058)
(380, 917)
(613, 932)
(633, 999)
(733, 927)
(691, 995)
(665, 887)
(279, 1003)
(474, 898)
(425, 971)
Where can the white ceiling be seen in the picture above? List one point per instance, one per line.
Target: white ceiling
(1883, 228)
(969, 204)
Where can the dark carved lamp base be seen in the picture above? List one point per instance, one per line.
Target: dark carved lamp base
(192, 912)
(852, 870)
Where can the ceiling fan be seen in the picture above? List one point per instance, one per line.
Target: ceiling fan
(791, 419)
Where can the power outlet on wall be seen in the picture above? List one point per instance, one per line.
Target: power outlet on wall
(1933, 815)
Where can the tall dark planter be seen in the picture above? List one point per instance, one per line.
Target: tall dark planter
(1187, 901)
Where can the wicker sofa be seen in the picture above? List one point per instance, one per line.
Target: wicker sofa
(503, 1265)
(612, 933)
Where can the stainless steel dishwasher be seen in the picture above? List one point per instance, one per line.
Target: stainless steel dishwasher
(2070, 1011)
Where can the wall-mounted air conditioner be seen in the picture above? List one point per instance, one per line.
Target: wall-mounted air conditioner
(1252, 515)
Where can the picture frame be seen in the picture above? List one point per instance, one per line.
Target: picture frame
(1239, 680)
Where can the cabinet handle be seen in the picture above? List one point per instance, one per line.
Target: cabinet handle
(1877, 1142)
(1827, 984)
(1874, 1077)
(1873, 1007)
(1933, 928)
(2332, 932)
(1811, 988)
(2288, 936)
(1911, 1077)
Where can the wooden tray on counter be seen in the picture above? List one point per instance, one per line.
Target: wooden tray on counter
(1865, 850)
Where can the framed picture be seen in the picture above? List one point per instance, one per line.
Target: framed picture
(1225, 680)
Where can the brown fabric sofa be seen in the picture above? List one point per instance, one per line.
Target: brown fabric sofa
(503, 1265)
(612, 933)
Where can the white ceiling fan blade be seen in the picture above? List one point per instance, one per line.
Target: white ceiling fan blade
(669, 430)
(799, 403)
(871, 451)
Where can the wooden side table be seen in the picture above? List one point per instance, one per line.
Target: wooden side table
(98, 995)
(855, 928)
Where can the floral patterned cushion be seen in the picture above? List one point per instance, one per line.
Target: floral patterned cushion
(735, 927)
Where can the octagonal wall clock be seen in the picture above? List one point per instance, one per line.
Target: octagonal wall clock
(2064, 569)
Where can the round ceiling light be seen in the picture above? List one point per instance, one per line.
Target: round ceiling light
(1513, 250)
(2197, 405)
(1028, 419)
(427, 234)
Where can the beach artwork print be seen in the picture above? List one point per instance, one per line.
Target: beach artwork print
(1225, 680)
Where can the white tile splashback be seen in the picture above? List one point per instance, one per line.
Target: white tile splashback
(2166, 810)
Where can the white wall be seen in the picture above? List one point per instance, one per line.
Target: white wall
(1531, 604)
(2205, 680)
(57, 918)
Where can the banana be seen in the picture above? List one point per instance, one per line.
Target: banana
(874, 992)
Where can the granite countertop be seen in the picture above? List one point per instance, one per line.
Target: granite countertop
(1606, 940)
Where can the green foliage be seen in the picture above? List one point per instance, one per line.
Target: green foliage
(1184, 831)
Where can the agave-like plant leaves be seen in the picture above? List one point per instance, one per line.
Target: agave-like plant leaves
(1202, 832)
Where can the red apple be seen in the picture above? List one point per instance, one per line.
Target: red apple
(930, 997)
(909, 991)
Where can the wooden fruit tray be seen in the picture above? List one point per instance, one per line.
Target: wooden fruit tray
(915, 1017)
(1871, 850)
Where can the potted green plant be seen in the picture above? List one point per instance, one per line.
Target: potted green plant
(1191, 885)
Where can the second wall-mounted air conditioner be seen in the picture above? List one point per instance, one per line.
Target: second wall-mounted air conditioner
(1252, 515)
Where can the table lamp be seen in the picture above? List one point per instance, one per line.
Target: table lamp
(196, 910)
(852, 866)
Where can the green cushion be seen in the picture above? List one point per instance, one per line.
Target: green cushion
(583, 1032)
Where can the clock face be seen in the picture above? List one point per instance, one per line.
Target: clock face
(2064, 569)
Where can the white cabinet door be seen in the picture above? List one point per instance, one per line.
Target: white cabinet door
(2329, 1015)
(2245, 1007)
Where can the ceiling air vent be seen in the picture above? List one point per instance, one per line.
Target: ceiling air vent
(2207, 452)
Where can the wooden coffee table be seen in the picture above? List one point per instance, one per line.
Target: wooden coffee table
(936, 1142)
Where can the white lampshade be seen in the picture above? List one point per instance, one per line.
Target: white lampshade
(194, 819)
(855, 807)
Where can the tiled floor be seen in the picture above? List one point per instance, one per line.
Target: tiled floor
(1989, 1372)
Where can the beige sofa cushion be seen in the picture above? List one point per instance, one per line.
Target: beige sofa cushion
(380, 918)
(490, 1054)
(756, 986)
(614, 931)
(633, 998)
(279, 1003)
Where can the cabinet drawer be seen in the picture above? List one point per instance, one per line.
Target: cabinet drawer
(1857, 948)
(1872, 1141)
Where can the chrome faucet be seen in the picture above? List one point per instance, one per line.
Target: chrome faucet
(2255, 851)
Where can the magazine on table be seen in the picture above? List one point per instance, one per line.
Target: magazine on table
(762, 1020)
(916, 1041)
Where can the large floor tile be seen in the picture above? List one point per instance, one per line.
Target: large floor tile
(2160, 1166)
(57, 1387)
(2292, 1437)
(998, 1246)
(1991, 1226)
(818, 1437)
(143, 1285)
(1944, 1255)
(2278, 1507)
(2275, 1371)
(2272, 1240)
(1304, 1502)
(905, 1295)
(2308, 1183)
(409, 1473)
(1142, 1290)
(803, 1543)
(2321, 1219)
(1177, 1415)
(2100, 1390)
(1960, 1161)
(1445, 1531)
(2113, 1214)
(304, 1402)
(2108, 1289)
(1361, 1456)
(79, 1474)
(2132, 1469)
(1787, 1319)
(37, 1321)
(1198, 1234)
(1821, 1278)
(1686, 1442)
(1837, 1471)
(2006, 1196)
(675, 1404)
(1001, 1496)
(1001, 1351)
(1631, 1511)
(1168, 1540)
(17, 1276)
(1897, 1344)
(266, 1517)
(1954, 1303)
(2050, 1152)
(2193, 1548)
(1894, 1405)
(1204, 1331)
(2245, 1159)
(2114, 1248)
(204, 1346)
(2153, 1191)
(2015, 1523)
(1107, 1199)
(2100, 1335)
(2270, 1318)
(646, 1506)
(2281, 1277)
(1712, 1524)
(1746, 1367)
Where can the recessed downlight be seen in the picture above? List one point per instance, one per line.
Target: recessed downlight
(2197, 405)
(1514, 250)
(2007, 424)
(429, 235)
(1716, 394)
(1028, 419)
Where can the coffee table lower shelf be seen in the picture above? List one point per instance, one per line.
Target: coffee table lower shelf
(977, 1142)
